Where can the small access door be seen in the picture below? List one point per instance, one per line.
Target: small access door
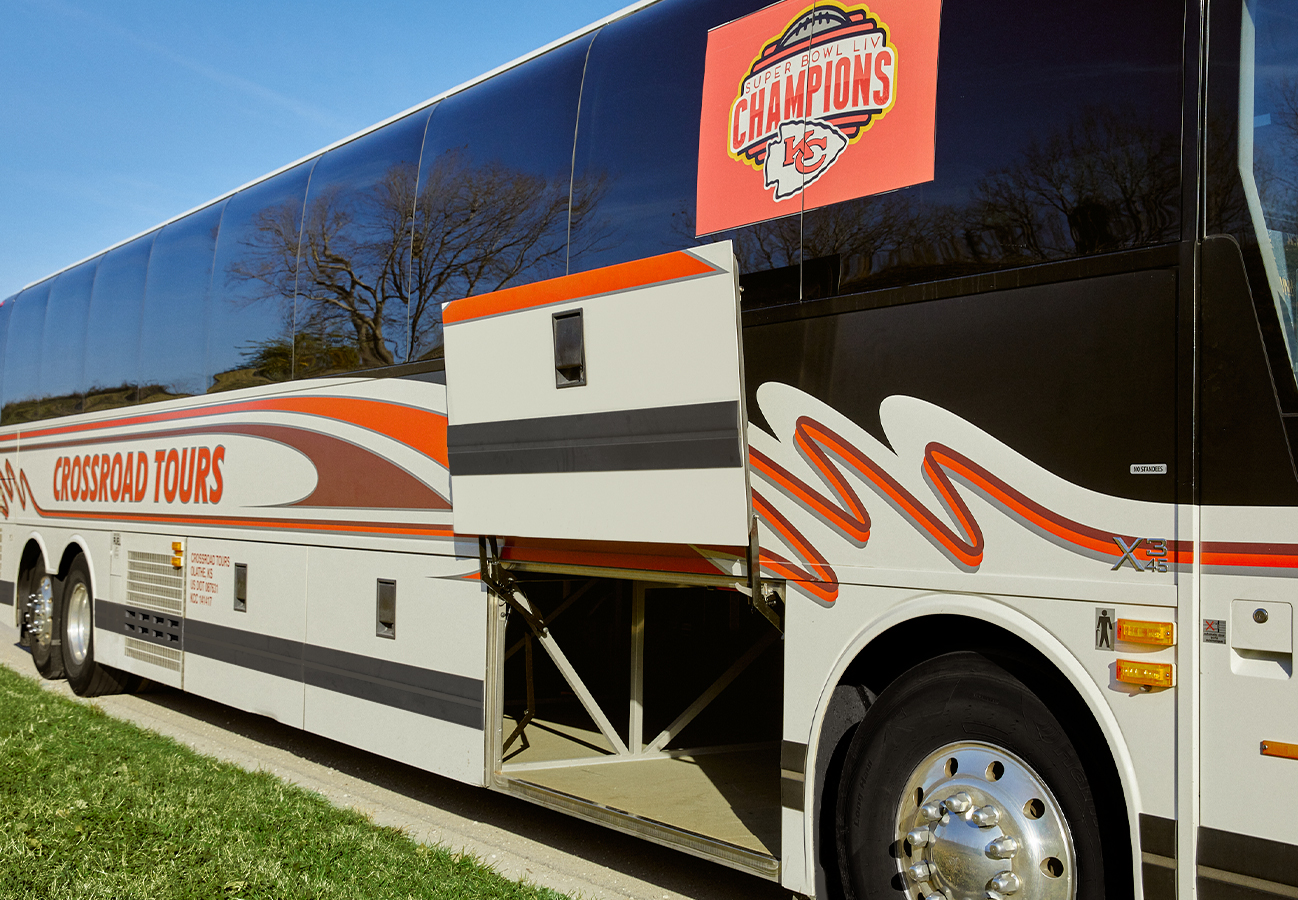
(606, 405)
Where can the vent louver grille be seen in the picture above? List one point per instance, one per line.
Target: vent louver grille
(152, 582)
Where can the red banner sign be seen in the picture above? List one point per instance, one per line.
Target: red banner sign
(807, 105)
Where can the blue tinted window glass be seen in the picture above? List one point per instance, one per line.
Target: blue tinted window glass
(1052, 169)
(6, 307)
(63, 350)
(250, 340)
(639, 133)
(112, 354)
(173, 327)
(494, 186)
(22, 373)
(353, 269)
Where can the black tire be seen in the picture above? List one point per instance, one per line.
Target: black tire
(962, 705)
(45, 627)
(76, 621)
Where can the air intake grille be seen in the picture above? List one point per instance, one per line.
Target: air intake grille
(152, 653)
(152, 582)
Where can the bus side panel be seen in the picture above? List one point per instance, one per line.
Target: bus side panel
(140, 605)
(246, 652)
(403, 679)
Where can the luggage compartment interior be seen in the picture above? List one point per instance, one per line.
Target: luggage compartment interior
(651, 708)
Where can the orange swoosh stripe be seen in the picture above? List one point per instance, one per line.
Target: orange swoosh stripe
(622, 277)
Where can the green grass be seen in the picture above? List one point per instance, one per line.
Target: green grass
(92, 807)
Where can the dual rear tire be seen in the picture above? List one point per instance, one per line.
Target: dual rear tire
(62, 635)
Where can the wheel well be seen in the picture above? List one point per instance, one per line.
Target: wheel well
(31, 555)
(911, 643)
(70, 553)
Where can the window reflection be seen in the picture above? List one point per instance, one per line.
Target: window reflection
(253, 283)
(63, 348)
(494, 206)
(22, 355)
(1268, 149)
(112, 357)
(173, 326)
(352, 281)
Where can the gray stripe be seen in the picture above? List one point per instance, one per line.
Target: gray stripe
(1253, 857)
(1158, 835)
(6, 593)
(246, 649)
(438, 695)
(164, 629)
(697, 436)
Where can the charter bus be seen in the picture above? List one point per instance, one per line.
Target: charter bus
(851, 442)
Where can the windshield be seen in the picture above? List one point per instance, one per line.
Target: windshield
(1268, 147)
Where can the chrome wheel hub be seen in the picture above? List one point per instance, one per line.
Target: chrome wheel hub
(40, 613)
(78, 622)
(975, 822)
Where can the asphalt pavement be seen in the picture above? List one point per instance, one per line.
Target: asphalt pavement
(515, 838)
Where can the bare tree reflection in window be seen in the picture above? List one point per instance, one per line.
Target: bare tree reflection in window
(475, 229)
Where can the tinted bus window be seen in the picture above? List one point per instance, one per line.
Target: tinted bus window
(63, 351)
(6, 307)
(494, 187)
(23, 355)
(355, 251)
(1252, 162)
(173, 326)
(1051, 168)
(638, 139)
(113, 350)
(250, 338)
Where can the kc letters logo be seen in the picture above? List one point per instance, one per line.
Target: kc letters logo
(808, 105)
(811, 92)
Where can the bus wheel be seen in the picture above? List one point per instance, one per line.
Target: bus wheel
(960, 783)
(43, 623)
(86, 677)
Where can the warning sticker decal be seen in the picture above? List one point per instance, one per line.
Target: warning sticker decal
(807, 105)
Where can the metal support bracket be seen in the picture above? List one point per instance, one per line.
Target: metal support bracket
(763, 595)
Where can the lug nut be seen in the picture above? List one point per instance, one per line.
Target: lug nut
(959, 803)
(1003, 848)
(918, 837)
(1005, 883)
(930, 812)
(921, 871)
(986, 816)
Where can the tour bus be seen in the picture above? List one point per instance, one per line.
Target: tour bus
(851, 442)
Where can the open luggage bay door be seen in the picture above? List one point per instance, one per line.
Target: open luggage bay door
(605, 406)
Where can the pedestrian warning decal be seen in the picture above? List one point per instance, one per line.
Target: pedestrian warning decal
(1214, 631)
(1106, 624)
(809, 104)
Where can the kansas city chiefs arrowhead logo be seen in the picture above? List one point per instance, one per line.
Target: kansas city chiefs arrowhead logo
(812, 91)
(801, 152)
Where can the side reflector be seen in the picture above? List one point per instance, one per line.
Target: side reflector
(1281, 749)
(1133, 631)
(1150, 674)
(177, 547)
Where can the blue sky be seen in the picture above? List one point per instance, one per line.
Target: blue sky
(118, 114)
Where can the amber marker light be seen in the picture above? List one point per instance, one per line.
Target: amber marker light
(1159, 634)
(1280, 749)
(1152, 675)
(177, 554)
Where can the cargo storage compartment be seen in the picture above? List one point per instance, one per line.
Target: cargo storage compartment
(651, 708)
